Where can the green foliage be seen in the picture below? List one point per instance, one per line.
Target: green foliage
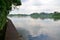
(55, 15)
(16, 1)
(35, 15)
(42, 15)
(18, 15)
(5, 6)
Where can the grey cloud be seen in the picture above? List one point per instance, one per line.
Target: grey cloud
(56, 2)
(37, 3)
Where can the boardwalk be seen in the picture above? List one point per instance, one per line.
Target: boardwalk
(11, 33)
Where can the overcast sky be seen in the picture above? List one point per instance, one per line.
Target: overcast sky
(30, 6)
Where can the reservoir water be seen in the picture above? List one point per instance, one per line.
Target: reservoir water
(37, 29)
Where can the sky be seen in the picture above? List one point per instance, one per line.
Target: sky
(31, 6)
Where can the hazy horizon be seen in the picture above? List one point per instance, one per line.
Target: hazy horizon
(30, 6)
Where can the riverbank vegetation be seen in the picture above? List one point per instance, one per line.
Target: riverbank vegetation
(42, 15)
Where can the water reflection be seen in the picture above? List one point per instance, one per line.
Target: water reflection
(40, 37)
(37, 29)
(24, 33)
(54, 18)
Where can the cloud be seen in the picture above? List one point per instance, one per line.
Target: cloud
(30, 6)
(24, 0)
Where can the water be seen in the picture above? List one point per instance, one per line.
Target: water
(37, 29)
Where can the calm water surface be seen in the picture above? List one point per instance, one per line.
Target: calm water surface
(37, 29)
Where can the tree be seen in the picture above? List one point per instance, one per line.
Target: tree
(5, 6)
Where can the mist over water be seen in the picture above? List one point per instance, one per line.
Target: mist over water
(37, 29)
